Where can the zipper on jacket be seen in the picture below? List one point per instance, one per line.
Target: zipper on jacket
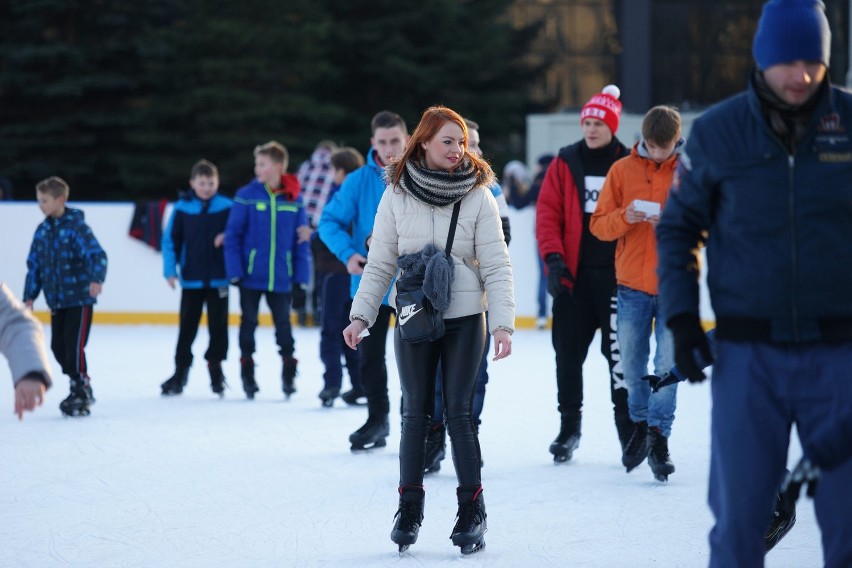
(791, 202)
(272, 228)
(433, 226)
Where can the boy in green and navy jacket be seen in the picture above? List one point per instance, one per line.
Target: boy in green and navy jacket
(193, 254)
(263, 256)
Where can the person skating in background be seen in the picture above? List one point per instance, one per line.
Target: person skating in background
(345, 225)
(316, 178)
(265, 257)
(633, 194)
(193, 255)
(765, 184)
(437, 441)
(581, 267)
(332, 279)
(522, 193)
(67, 263)
(22, 343)
(436, 181)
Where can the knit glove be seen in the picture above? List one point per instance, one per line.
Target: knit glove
(805, 473)
(507, 229)
(691, 350)
(556, 271)
(299, 297)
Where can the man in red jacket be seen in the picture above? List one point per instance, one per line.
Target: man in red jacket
(581, 268)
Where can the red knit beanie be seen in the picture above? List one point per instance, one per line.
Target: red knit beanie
(605, 107)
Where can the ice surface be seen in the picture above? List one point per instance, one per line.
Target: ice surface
(198, 481)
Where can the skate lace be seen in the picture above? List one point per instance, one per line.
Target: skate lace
(408, 515)
(660, 452)
(468, 515)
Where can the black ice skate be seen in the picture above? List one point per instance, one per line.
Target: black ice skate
(174, 384)
(637, 448)
(658, 455)
(624, 426)
(351, 397)
(568, 439)
(436, 448)
(408, 517)
(247, 375)
(79, 400)
(217, 378)
(371, 435)
(288, 376)
(783, 519)
(327, 396)
(469, 531)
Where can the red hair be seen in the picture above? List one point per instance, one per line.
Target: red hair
(430, 123)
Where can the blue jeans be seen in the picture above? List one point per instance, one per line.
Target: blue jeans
(637, 314)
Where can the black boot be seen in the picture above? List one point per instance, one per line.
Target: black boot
(568, 439)
(351, 396)
(624, 427)
(371, 435)
(80, 398)
(470, 525)
(327, 396)
(637, 447)
(217, 377)
(175, 383)
(288, 376)
(247, 375)
(658, 455)
(783, 519)
(436, 448)
(408, 517)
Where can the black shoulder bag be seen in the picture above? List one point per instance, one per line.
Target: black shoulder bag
(416, 317)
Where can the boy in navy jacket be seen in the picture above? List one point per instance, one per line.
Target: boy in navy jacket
(193, 255)
(67, 263)
(264, 256)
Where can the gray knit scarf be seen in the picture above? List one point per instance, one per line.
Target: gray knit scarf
(437, 187)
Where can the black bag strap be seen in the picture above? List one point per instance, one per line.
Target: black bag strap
(453, 222)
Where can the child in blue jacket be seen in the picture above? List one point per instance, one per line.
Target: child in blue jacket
(193, 254)
(264, 256)
(67, 263)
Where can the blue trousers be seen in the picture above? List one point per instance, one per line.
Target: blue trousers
(335, 302)
(759, 391)
(279, 305)
(637, 314)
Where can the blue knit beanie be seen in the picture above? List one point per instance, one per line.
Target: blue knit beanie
(792, 30)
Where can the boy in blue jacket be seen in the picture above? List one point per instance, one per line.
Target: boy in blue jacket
(193, 254)
(263, 256)
(68, 264)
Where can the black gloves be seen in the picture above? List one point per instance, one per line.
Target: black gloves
(556, 271)
(805, 473)
(299, 297)
(507, 231)
(691, 350)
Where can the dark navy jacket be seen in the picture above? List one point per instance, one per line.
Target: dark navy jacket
(779, 226)
(65, 257)
(188, 249)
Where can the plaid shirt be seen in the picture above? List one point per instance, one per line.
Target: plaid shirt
(315, 177)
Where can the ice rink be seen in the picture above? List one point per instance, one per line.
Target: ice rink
(194, 480)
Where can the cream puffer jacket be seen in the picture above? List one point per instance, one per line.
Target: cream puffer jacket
(483, 272)
(22, 339)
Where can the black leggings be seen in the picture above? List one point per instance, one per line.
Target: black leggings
(460, 352)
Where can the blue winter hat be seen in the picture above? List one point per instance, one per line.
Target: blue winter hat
(792, 30)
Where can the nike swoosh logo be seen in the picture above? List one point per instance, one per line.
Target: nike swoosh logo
(406, 317)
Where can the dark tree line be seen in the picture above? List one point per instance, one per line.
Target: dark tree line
(121, 98)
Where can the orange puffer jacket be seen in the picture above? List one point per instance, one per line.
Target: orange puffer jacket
(633, 177)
